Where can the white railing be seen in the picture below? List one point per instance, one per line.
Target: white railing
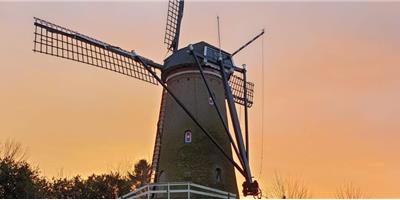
(185, 190)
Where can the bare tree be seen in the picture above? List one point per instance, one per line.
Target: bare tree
(287, 188)
(12, 150)
(349, 191)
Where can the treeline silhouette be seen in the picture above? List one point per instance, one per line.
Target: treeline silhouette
(18, 179)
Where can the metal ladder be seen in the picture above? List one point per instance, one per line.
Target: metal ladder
(157, 144)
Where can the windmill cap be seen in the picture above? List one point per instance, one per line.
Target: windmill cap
(183, 58)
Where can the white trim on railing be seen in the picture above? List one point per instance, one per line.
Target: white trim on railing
(186, 187)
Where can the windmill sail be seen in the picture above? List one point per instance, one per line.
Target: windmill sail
(174, 18)
(61, 42)
(237, 84)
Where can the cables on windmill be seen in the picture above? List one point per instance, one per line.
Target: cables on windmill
(262, 107)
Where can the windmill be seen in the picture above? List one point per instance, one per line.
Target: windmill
(193, 143)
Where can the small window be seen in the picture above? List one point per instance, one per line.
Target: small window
(210, 101)
(218, 173)
(188, 137)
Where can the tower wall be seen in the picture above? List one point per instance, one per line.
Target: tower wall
(198, 161)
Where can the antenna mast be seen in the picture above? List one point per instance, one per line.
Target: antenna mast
(219, 39)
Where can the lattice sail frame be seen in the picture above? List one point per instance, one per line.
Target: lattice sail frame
(237, 84)
(172, 29)
(61, 42)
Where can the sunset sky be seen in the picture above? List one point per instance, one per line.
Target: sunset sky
(331, 88)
